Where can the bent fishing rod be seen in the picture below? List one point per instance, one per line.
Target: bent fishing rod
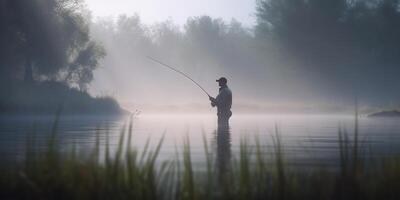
(180, 72)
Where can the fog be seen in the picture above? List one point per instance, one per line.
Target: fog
(317, 57)
(297, 56)
(204, 48)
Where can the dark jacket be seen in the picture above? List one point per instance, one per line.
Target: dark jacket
(223, 101)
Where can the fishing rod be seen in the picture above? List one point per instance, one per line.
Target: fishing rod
(180, 72)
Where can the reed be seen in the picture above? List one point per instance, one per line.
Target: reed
(253, 174)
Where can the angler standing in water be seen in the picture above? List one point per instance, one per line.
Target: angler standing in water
(223, 102)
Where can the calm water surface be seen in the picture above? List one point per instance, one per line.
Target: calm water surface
(308, 140)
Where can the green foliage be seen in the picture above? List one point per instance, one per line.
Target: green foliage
(127, 174)
(334, 40)
(47, 39)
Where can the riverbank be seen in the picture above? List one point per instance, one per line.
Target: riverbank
(45, 98)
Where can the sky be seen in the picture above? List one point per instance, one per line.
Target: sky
(152, 11)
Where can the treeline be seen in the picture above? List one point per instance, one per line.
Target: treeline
(350, 44)
(203, 42)
(298, 49)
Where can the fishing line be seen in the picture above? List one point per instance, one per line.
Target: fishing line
(180, 72)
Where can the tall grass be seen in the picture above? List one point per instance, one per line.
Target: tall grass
(128, 174)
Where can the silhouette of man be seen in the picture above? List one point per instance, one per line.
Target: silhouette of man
(223, 102)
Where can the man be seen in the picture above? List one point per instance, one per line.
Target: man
(223, 102)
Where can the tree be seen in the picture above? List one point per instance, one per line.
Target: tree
(309, 31)
(204, 32)
(343, 43)
(47, 40)
(167, 40)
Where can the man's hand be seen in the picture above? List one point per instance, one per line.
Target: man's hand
(212, 99)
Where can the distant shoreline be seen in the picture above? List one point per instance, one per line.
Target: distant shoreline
(47, 98)
(385, 114)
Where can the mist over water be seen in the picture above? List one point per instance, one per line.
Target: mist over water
(205, 49)
(314, 58)
(89, 109)
(308, 57)
(307, 140)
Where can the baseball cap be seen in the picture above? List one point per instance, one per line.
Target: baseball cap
(222, 79)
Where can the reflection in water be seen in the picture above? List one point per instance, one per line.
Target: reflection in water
(308, 140)
(223, 158)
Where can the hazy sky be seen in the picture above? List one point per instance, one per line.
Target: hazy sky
(178, 10)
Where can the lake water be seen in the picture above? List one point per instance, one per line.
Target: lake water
(308, 140)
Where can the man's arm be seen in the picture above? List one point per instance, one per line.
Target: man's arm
(213, 101)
